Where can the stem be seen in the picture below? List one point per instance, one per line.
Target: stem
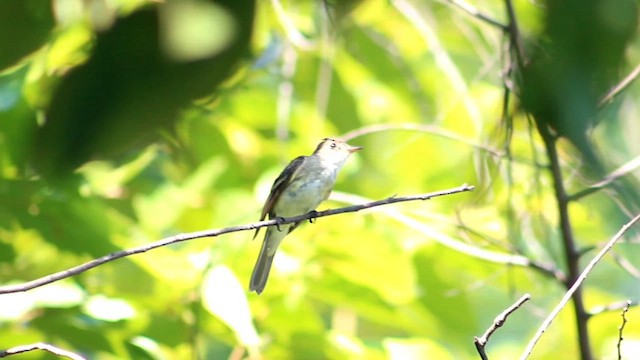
(572, 254)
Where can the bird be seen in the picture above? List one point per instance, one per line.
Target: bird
(300, 188)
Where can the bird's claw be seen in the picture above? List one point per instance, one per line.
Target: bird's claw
(279, 221)
(313, 216)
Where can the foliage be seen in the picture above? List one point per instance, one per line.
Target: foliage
(127, 121)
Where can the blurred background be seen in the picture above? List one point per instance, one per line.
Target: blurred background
(126, 121)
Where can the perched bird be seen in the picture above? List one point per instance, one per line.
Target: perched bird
(300, 188)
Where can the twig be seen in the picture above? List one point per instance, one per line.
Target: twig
(431, 129)
(623, 170)
(457, 245)
(212, 233)
(621, 328)
(608, 97)
(40, 346)
(571, 251)
(293, 34)
(514, 32)
(613, 307)
(567, 296)
(481, 342)
(473, 11)
(415, 14)
(626, 265)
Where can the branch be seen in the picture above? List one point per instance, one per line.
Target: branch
(481, 342)
(431, 129)
(608, 97)
(567, 296)
(613, 307)
(40, 346)
(213, 233)
(621, 328)
(457, 245)
(514, 34)
(626, 265)
(610, 178)
(571, 252)
(291, 32)
(473, 11)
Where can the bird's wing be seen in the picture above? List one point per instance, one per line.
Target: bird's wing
(279, 185)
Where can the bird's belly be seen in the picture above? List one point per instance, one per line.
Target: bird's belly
(299, 198)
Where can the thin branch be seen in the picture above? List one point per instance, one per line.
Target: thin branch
(473, 11)
(431, 129)
(419, 98)
(514, 32)
(567, 296)
(40, 346)
(459, 246)
(613, 307)
(285, 92)
(626, 265)
(608, 97)
(418, 17)
(621, 328)
(623, 170)
(293, 34)
(481, 342)
(212, 233)
(571, 252)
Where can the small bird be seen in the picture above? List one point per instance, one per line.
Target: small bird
(301, 187)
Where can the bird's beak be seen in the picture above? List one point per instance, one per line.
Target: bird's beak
(353, 149)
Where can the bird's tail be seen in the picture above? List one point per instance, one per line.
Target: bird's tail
(263, 265)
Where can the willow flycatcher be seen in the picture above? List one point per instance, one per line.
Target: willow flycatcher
(301, 187)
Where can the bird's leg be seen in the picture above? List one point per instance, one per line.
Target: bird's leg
(313, 216)
(279, 221)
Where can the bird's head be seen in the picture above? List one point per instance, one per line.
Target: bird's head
(335, 151)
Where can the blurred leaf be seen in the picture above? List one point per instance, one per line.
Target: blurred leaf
(17, 123)
(103, 308)
(162, 208)
(415, 349)
(129, 90)
(145, 348)
(15, 306)
(225, 298)
(137, 120)
(24, 26)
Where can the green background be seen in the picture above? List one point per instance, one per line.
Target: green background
(124, 122)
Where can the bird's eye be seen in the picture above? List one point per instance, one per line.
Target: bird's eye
(333, 145)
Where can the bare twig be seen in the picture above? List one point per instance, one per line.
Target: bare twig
(621, 328)
(608, 97)
(626, 265)
(613, 307)
(457, 245)
(570, 248)
(623, 170)
(212, 233)
(418, 17)
(567, 296)
(426, 128)
(293, 34)
(473, 11)
(514, 33)
(481, 342)
(40, 346)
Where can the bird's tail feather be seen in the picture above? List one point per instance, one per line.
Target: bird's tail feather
(261, 270)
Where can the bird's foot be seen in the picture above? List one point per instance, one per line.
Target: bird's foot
(279, 221)
(314, 214)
